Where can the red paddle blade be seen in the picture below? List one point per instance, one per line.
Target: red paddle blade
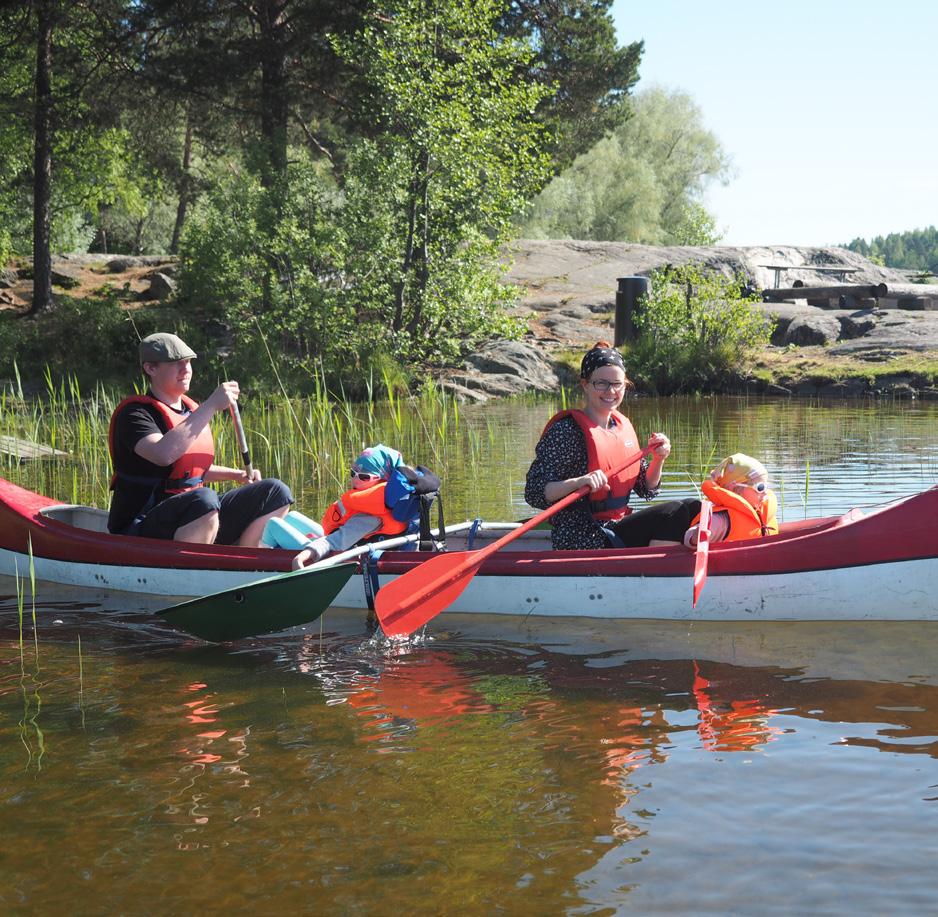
(703, 549)
(407, 603)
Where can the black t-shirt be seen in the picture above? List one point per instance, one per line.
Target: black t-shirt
(133, 423)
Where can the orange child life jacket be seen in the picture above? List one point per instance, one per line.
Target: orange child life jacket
(745, 520)
(606, 448)
(187, 471)
(369, 500)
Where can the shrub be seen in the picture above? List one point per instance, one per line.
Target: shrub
(695, 329)
(91, 339)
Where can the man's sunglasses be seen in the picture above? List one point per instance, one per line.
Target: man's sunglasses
(363, 475)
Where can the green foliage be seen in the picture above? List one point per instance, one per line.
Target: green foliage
(94, 337)
(642, 183)
(916, 250)
(578, 59)
(402, 262)
(94, 162)
(697, 226)
(695, 328)
(267, 261)
(430, 199)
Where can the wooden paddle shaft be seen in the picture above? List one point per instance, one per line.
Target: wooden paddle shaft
(242, 439)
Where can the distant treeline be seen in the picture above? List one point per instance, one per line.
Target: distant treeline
(916, 250)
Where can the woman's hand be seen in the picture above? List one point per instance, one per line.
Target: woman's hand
(557, 490)
(660, 445)
(596, 480)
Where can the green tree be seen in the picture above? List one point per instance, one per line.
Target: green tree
(56, 62)
(457, 152)
(695, 330)
(916, 250)
(643, 183)
(578, 60)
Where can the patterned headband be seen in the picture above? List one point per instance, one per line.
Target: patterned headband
(600, 356)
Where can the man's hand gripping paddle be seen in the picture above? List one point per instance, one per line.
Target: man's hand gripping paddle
(242, 440)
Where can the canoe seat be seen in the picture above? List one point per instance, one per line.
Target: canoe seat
(81, 517)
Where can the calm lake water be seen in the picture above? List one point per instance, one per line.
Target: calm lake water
(503, 765)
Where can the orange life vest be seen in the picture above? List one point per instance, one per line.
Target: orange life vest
(370, 501)
(606, 448)
(745, 520)
(187, 471)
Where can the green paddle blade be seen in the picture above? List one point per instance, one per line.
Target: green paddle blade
(265, 607)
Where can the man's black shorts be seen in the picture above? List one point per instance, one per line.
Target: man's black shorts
(237, 509)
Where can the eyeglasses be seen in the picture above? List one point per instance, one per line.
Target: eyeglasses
(601, 385)
(363, 475)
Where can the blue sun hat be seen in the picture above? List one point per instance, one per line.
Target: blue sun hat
(380, 460)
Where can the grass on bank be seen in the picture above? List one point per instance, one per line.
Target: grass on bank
(816, 366)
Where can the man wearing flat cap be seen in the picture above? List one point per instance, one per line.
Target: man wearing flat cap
(163, 454)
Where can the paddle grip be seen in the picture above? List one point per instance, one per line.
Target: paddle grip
(242, 439)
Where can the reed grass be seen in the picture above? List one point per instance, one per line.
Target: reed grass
(81, 683)
(480, 451)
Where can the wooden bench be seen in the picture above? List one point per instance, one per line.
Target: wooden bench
(24, 450)
(838, 271)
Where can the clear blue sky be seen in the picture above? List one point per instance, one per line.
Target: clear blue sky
(828, 109)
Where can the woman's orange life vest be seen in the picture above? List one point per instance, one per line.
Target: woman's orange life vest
(370, 501)
(745, 520)
(187, 471)
(606, 449)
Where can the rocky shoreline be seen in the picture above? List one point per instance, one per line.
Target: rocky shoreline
(841, 346)
(568, 297)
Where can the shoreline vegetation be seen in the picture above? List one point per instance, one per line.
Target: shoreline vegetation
(340, 186)
(714, 340)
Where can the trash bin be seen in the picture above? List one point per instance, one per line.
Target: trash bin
(629, 296)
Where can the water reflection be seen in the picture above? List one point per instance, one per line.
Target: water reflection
(499, 760)
(587, 766)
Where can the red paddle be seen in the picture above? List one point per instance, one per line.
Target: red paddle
(703, 548)
(408, 602)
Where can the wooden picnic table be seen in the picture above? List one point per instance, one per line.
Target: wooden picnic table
(839, 271)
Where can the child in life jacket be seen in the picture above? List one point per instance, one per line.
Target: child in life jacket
(743, 505)
(377, 503)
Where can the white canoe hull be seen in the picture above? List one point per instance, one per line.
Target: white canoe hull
(904, 591)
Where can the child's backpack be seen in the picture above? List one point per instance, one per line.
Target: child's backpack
(410, 494)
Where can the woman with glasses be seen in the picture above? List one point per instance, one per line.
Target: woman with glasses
(743, 505)
(587, 446)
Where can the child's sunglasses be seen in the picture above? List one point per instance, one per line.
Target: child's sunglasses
(760, 488)
(363, 475)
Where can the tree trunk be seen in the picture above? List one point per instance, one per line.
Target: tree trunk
(422, 261)
(413, 195)
(185, 184)
(138, 235)
(274, 103)
(42, 162)
(274, 113)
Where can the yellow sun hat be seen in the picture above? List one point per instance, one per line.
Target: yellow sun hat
(739, 469)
